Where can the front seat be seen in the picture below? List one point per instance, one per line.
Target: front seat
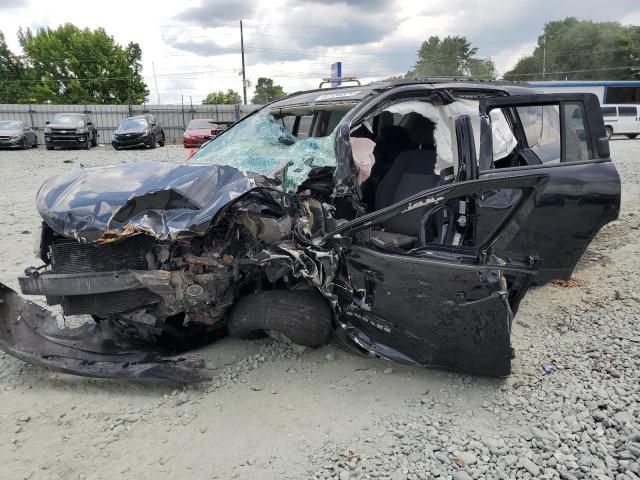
(393, 140)
(413, 171)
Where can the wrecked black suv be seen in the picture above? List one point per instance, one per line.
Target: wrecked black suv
(406, 219)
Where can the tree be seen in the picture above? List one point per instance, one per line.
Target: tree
(230, 97)
(582, 50)
(451, 57)
(70, 65)
(12, 76)
(266, 91)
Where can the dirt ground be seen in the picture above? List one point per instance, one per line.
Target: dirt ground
(273, 411)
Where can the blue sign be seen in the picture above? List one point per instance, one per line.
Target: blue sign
(336, 74)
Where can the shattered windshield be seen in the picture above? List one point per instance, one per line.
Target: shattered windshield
(260, 144)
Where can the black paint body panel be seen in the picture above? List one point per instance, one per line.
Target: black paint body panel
(577, 201)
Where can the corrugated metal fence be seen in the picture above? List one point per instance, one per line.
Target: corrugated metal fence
(106, 118)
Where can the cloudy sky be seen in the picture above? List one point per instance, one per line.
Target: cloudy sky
(195, 45)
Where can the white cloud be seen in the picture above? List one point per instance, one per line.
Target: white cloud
(194, 45)
(632, 18)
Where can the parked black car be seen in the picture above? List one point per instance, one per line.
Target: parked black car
(139, 131)
(70, 130)
(16, 134)
(408, 219)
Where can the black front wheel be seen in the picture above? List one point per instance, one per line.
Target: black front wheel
(631, 136)
(162, 140)
(24, 145)
(152, 142)
(302, 316)
(94, 140)
(608, 131)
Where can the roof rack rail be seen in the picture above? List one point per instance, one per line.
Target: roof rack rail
(339, 79)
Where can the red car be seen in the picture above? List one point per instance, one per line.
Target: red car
(199, 131)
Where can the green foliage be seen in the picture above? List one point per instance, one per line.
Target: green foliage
(74, 66)
(266, 91)
(12, 73)
(451, 57)
(582, 50)
(230, 97)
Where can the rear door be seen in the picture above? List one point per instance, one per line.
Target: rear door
(562, 136)
(448, 302)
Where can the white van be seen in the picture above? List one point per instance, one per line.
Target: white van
(621, 120)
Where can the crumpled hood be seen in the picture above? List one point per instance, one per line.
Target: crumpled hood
(167, 200)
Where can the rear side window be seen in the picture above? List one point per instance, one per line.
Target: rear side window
(541, 125)
(545, 136)
(576, 145)
(628, 111)
(608, 111)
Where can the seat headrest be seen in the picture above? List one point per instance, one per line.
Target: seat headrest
(384, 120)
(421, 129)
(395, 134)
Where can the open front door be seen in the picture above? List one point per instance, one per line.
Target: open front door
(448, 302)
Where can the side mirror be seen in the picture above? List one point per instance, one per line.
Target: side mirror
(47, 122)
(603, 147)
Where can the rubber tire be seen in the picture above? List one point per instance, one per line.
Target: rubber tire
(94, 140)
(631, 136)
(608, 131)
(152, 142)
(162, 142)
(24, 144)
(303, 316)
(49, 147)
(115, 147)
(87, 145)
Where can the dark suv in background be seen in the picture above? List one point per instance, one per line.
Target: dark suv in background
(70, 130)
(139, 131)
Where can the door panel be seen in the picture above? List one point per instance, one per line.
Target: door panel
(445, 305)
(428, 312)
(579, 198)
(577, 201)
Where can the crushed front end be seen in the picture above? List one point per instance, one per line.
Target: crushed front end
(146, 296)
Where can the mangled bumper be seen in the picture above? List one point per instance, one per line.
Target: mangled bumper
(106, 350)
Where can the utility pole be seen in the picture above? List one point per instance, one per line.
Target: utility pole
(544, 55)
(155, 79)
(244, 78)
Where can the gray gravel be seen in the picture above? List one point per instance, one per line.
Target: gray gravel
(581, 421)
(274, 410)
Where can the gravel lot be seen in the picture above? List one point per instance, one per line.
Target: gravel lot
(273, 411)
